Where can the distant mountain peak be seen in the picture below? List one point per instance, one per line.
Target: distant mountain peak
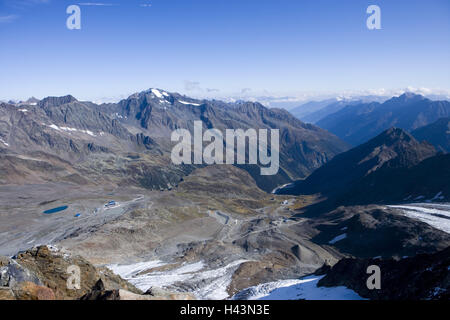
(57, 101)
(408, 97)
(156, 92)
(395, 134)
(393, 149)
(393, 145)
(32, 101)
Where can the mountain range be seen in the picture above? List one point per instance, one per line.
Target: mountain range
(358, 123)
(63, 138)
(78, 135)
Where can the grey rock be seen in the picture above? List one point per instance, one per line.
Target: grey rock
(13, 274)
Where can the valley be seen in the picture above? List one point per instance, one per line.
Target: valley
(199, 240)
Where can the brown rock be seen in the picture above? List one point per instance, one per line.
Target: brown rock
(51, 266)
(6, 294)
(31, 291)
(4, 261)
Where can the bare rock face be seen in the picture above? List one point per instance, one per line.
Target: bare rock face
(372, 231)
(12, 274)
(422, 277)
(51, 266)
(42, 273)
(6, 294)
(99, 292)
(19, 283)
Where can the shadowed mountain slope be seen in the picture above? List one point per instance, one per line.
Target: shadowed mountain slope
(437, 133)
(382, 169)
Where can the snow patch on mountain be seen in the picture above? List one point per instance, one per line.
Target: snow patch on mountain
(4, 142)
(438, 196)
(131, 270)
(189, 103)
(296, 289)
(436, 215)
(338, 238)
(67, 129)
(157, 93)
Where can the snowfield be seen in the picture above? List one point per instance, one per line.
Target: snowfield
(213, 283)
(284, 186)
(190, 103)
(436, 215)
(67, 129)
(191, 277)
(131, 270)
(305, 288)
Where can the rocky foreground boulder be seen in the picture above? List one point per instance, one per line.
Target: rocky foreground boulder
(422, 277)
(44, 273)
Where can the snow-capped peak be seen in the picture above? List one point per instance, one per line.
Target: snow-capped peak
(157, 93)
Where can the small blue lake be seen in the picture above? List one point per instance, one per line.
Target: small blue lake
(54, 210)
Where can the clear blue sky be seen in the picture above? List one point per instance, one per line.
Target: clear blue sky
(281, 46)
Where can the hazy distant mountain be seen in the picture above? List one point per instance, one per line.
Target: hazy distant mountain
(331, 108)
(358, 123)
(437, 133)
(313, 111)
(32, 101)
(311, 107)
(390, 167)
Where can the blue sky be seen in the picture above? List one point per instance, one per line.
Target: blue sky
(221, 48)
